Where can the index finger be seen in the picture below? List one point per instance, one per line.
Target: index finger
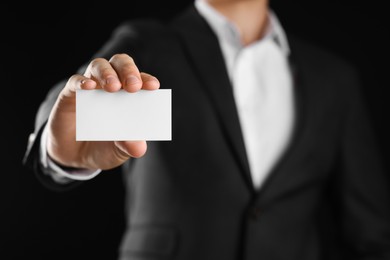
(127, 72)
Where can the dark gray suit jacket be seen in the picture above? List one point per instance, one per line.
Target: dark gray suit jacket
(193, 199)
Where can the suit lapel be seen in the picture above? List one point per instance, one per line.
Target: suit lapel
(203, 49)
(290, 174)
(278, 177)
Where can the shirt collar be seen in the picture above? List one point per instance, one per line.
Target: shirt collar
(228, 31)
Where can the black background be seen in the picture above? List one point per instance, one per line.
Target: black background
(43, 43)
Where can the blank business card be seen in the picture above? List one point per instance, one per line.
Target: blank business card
(120, 116)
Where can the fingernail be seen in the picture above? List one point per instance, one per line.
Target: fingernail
(132, 80)
(111, 80)
(84, 81)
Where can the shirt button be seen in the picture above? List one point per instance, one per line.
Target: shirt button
(255, 213)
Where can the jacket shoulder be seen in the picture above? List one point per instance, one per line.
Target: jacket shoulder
(133, 37)
(321, 59)
(140, 28)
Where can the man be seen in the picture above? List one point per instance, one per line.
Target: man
(271, 146)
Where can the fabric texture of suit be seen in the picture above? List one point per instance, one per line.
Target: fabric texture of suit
(192, 198)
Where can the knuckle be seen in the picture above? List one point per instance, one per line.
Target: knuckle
(120, 56)
(105, 72)
(128, 68)
(121, 155)
(148, 76)
(95, 62)
(72, 83)
(73, 79)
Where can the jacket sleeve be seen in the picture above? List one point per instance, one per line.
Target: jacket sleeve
(365, 184)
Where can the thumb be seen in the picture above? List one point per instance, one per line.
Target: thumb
(134, 149)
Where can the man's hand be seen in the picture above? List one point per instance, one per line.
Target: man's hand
(120, 72)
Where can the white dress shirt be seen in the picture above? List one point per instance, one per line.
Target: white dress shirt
(262, 88)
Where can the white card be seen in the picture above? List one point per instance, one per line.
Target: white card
(121, 116)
